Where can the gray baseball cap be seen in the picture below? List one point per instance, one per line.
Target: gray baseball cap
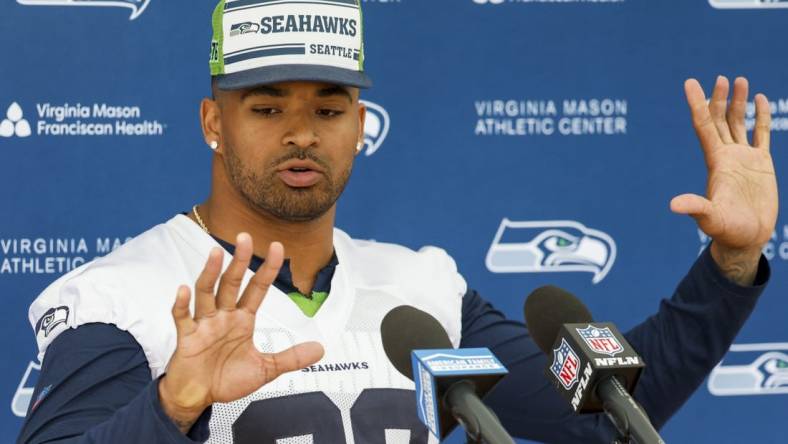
(258, 42)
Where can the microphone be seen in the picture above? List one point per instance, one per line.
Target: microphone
(593, 366)
(449, 382)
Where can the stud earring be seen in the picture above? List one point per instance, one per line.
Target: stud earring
(214, 145)
(359, 147)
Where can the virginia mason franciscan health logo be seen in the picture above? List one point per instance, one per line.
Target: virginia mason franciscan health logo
(15, 123)
(550, 246)
(137, 6)
(78, 119)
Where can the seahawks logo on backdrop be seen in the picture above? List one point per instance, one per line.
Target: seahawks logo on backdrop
(551, 246)
(137, 6)
(24, 392)
(751, 369)
(376, 127)
(51, 319)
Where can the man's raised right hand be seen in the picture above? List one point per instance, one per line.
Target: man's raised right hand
(215, 359)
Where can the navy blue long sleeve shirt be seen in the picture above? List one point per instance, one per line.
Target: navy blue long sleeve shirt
(95, 384)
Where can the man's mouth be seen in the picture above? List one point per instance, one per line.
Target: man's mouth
(300, 173)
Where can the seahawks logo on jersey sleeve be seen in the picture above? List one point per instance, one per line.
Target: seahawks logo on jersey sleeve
(51, 320)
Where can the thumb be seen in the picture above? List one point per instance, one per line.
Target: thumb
(294, 358)
(700, 209)
(691, 205)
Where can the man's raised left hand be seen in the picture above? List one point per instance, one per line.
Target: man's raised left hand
(739, 211)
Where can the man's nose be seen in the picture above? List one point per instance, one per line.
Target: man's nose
(301, 131)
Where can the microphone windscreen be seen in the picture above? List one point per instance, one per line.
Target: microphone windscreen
(405, 329)
(547, 309)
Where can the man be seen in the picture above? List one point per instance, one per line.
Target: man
(268, 350)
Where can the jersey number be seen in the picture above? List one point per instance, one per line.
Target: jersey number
(313, 413)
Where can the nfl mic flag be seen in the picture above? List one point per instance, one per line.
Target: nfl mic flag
(586, 353)
(434, 371)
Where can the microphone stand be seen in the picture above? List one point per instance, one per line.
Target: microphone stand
(480, 423)
(627, 415)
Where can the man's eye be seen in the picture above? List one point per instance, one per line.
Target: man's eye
(325, 112)
(265, 111)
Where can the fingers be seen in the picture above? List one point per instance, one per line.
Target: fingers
(184, 324)
(204, 302)
(258, 286)
(230, 283)
(226, 297)
(718, 106)
(737, 109)
(763, 122)
(717, 123)
(294, 358)
(701, 117)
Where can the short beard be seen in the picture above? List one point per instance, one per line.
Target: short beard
(267, 193)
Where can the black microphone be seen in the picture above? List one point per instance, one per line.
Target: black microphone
(591, 364)
(461, 376)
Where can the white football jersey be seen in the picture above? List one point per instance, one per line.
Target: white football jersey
(352, 395)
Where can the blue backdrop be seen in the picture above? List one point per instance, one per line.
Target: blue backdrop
(494, 122)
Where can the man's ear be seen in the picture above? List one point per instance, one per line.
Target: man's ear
(211, 122)
(362, 118)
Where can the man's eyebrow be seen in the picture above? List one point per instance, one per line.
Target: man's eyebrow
(335, 90)
(264, 90)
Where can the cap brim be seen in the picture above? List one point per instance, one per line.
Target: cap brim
(292, 73)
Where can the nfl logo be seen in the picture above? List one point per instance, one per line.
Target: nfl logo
(600, 340)
(565, 364)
